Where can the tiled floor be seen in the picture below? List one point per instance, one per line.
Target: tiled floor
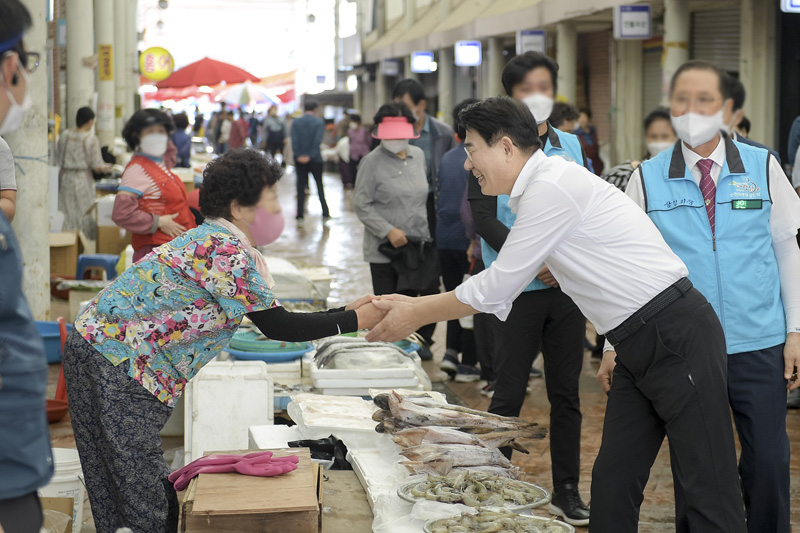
(337, 245)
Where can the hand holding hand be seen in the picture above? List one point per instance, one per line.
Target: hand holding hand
(397, 237)
(167, 224)
(397, 298)
(360, 302)
(369, 316)
(398, 323)
(547, 278)
(791, 359)
(606, 372)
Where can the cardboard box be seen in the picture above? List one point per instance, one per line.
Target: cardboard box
(289, 503)
(64, 253)
(112, 239)
(60, 505)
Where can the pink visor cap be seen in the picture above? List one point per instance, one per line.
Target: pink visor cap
(395, 128)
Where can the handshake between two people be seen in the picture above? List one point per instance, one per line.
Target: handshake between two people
(389, 317)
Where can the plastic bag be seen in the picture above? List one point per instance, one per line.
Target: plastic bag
(55, 522)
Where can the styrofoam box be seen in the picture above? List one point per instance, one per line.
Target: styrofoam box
(222, 401)
(365, 383)
(405, 372)
(105, 206)
(376, 474)
(356, 391)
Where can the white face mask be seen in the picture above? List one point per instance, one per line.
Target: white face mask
(695, 129)
(154, 144)
(16, 112)
(540, 105)
(656, 148)
(353, 126)
(395, 145)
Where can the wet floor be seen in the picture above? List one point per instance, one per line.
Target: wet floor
(336, 244)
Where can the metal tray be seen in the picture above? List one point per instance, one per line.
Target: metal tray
(538, 520)
(404, 492)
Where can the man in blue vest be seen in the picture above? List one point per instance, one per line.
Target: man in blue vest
(728, 211)
(542, 316)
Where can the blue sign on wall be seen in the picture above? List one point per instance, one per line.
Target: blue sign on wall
(633, 22)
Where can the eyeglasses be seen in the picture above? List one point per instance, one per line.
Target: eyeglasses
(28, 60)
(469, 154)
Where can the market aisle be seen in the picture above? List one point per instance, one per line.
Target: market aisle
(336, 244)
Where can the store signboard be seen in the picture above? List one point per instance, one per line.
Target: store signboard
(531, 41)
(422, 62)
(156, 64)
(468, 53)
(106, 55)
(633, 22)
(391, 67)
(790, 6)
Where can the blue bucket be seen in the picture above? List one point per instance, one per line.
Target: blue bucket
(52, 339)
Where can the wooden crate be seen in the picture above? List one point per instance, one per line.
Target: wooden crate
(289, 503)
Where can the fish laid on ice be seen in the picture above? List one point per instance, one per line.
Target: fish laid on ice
(446, 435)
(456, 455)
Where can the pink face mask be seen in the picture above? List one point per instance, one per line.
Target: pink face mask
(267, 227)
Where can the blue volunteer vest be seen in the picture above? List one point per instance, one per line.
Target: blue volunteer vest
(735, 269)
(558, 143)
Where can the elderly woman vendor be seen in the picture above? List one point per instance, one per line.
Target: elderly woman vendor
(140, 340)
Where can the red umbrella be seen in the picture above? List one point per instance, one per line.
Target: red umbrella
(206, 72)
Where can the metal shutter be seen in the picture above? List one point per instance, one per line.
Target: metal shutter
(651, 74)
(598, 53)
(715, 37)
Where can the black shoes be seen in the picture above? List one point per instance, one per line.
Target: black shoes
(568, 505)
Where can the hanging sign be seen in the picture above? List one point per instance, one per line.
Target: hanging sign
(531, 41)
(633, 22)
(106, 54)
(156, 64)
(391, 67)
(790, 6)
(467, 53)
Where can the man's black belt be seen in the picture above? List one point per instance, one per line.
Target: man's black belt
(648, 311)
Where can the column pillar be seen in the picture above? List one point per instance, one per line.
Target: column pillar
(626, 113)
(381, 89)
(445, 83)
(676, 42)
(121, 70)
(407, 69)
(106, 71)
(132, 63)
(494, 83)
(29, 146)
(757, 60)
(567, 59)
(80, 46)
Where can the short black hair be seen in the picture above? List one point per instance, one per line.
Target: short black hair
(586, 111)
(734, 89)
(240, 175)
(501, 116)
(411, 87)
(519, 66)
(310, 105)
(745, 124)
(393, 109)
(462, 133)
(562, 112)
(355, 118)
(84, 115)
(144, 118)
(14, 21)
(700, 64)
(181, 121)
(659, 113)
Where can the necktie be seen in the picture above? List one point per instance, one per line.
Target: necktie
(708, 188)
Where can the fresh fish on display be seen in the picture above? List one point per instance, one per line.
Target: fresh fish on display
(446, 435)
(444, 469)
(453, 455)
(497, 521)
(476, 489)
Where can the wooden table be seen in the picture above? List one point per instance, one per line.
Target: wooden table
(345, 508)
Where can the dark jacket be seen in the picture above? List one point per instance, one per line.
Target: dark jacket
(26, 462)
(416, 265)
(307, 132)
(745, 140)
(443, 140)
(183, 142)
(452, 182)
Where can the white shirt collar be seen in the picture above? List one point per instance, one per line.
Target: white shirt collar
(717, 156)
(526, 174)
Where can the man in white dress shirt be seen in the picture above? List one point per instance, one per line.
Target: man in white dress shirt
(611, 260)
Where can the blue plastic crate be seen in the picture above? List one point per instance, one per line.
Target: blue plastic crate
(52, 339)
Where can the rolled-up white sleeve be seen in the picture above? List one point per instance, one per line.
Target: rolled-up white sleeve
(545, 215)
(787, 255)
(784, 219)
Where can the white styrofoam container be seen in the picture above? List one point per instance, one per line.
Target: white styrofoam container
(405, 372)
(386, 383)
(359, 391)
(272, 437)
(105, 206)
(222, 401)
(376, 474)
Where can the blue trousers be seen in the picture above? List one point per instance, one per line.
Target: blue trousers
(757, 392)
